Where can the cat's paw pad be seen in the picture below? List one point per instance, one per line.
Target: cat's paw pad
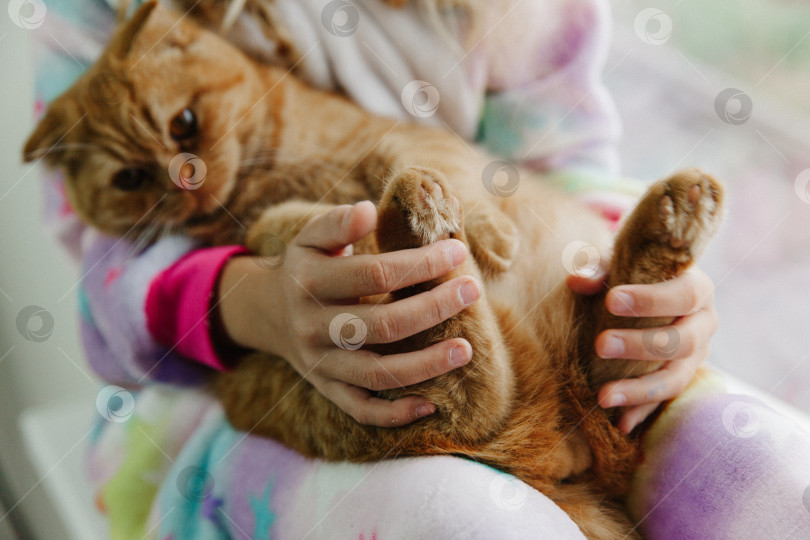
(689, 209)
(432, 212)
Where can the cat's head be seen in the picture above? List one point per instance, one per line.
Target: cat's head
(154, 131)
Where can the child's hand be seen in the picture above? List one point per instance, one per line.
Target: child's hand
(288, 311)
(690, 297)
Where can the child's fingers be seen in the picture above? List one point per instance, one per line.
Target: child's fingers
(374, 372)
(351, 327)
(387, 323)
(339, 227)
(683, 295)
(366, 275)
(666, 383)
(588, 285)
(685, 338)
(633, 416)
(367, 409)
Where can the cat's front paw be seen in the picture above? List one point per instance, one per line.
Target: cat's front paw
(689, 207)
(417, 208)
(492, 237)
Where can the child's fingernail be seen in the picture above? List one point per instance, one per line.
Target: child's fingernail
(456, 252)
(613, 347)
(469, 292)
(459, 356)
(347, 217)
(628, 427)
(615, 400)
(621, 303)
(425, 410)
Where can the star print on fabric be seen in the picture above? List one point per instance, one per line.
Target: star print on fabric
(210, 510)
(263, 514)
(112, 276)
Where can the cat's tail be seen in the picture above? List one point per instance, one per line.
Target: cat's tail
(615, 455)
(598, 517)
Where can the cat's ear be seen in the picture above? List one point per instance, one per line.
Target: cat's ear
(44, 142)
(122, 41)
(150, 26)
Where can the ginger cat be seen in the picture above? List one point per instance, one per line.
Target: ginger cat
(278, 152)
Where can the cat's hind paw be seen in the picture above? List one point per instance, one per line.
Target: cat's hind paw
(690, 210)
(417, 208)
(669, 228)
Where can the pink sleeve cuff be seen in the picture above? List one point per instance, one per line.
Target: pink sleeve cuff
(179, 304)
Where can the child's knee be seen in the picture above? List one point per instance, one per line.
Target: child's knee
(727, 466)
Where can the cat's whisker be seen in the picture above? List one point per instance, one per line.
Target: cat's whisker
(142, 237)
(145, 231)
(267, 159)
(171, 229)
(62, 147)
(165, 231)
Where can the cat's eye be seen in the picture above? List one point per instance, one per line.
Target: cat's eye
(183, 126)
(130, 179)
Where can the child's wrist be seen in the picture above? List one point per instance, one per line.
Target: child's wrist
(241, 319)
(226, 346)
